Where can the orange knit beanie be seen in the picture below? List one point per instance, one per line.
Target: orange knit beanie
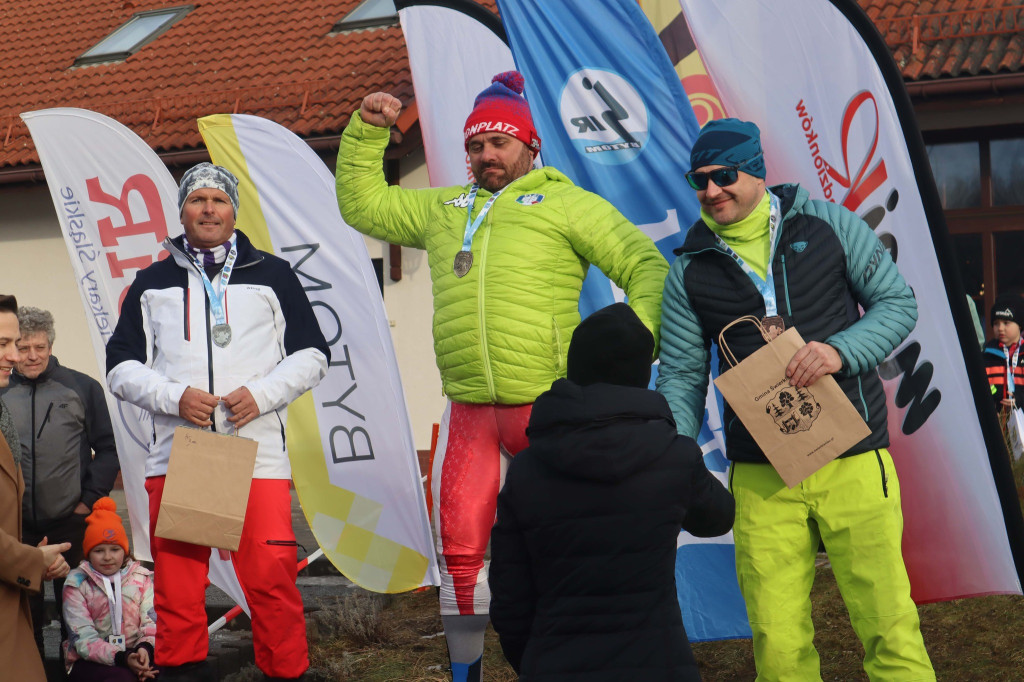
(103, 526)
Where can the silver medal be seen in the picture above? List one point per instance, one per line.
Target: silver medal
(463, 262)
(222, 334)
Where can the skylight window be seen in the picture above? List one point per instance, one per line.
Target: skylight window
(142, 28)
(369, 14)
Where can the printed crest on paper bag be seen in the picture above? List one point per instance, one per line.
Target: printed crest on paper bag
(794, 409)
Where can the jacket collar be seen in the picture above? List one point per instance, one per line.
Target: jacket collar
(536, 178)
(96, 577)
(600, 432)
(8, 465)
(247, 253)
(51, 367)
(700, 237)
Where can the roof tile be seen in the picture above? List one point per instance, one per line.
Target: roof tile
(263, 57)
(280, 61)
(951, 38)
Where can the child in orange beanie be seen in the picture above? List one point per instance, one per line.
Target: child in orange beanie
(108, 606)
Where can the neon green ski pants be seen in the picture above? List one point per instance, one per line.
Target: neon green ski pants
(853, 505)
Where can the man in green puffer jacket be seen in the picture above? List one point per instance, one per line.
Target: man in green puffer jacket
(507, 261)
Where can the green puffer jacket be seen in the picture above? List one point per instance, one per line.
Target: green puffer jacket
(501, 333)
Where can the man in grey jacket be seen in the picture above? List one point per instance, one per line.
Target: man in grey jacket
(68, 456)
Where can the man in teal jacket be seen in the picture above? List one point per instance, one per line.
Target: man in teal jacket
(796, 262)
(507, 258)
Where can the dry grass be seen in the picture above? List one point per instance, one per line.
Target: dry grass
(970, 640)
(358, 619)
(413, 650)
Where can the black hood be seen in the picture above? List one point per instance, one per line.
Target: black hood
(600, 432)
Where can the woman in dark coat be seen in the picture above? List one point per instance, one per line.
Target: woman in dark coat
(583, 552)
(22, 567)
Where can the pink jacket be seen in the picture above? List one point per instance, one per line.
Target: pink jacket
(87, 612)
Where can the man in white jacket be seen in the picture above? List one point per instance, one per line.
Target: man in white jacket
(221, 336)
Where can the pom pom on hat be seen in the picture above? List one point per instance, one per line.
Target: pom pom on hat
(513, 80)
(105, 503)
(501, 108)
(104, 526)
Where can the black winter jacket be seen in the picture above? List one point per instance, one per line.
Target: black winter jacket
(583, 552)
(827, 263)
(62, 418)
(996, 362)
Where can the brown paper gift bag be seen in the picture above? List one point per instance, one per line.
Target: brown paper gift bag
(207, 488)
(800, 430)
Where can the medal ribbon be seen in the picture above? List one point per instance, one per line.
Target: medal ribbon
(1010, 364)
(217, 298)
(473, 225)
(765, 286)
(114, 599)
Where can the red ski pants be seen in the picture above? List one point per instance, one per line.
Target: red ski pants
(266, 566)
(474, 444)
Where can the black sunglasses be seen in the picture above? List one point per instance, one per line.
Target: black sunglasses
(722, 177)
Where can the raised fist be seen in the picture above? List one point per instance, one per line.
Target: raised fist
(380, 109)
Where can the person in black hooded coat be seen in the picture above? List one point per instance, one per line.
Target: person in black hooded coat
(583, 551)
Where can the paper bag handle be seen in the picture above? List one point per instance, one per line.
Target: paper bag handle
(724, 347)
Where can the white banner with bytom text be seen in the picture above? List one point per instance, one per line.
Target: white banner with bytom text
(353, 459)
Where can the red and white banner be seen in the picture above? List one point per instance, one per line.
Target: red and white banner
(812, 75)
(116, 202)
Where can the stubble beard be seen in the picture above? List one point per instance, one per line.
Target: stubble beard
(517, 169)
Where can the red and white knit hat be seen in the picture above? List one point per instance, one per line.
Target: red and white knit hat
(501, 108)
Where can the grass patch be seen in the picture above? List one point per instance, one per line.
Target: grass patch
(968, 640)
(409, 648)
(399, 638)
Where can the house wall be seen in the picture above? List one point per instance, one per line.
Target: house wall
(37, 269)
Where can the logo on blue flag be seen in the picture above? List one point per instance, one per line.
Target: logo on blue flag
(604, 115)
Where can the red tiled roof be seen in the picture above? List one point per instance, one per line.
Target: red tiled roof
(951, 38)
(278, 60)
(265, 57)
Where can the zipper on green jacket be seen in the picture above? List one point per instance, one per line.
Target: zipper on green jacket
(481, 308)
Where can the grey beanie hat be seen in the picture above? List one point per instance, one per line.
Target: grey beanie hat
(207, 175)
